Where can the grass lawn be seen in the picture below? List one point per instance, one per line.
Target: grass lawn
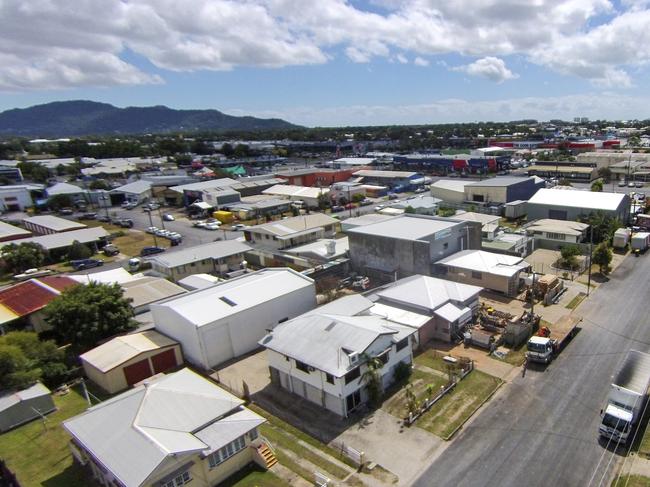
(253, 476)
(132, 243)
(458, 405)
(286, 428)
(515, 356)
(631, 481)
(576, 301)
(41, 457)
(433, 360)
(419, 380)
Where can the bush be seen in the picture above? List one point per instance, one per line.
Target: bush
(79, 251)
(402, 372)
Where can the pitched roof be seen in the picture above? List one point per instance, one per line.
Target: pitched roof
(10, 398)
(136, 187)
(64, 188)
(203, 185)
(426, 292)
(499, 182)
(489, 262)
(30, 296)
(198, 281)
(121, 349)
(148, 289)
(296, 224)
(405, 227)
(53, 223)
(589, 200)
(297, 191)
(64, 239)
(226, 298)
(153, 421)
(558, 226)
(319, 340)
(7, 230)
(212, 250)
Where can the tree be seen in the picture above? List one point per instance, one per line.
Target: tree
(86, 314)
(323, 201)
(59, 201)
(34, 171)
(605, 173)
(79, 251)
(603, 226)
(602, 257)
(241, 150)
(569, 254)
(19, 258)
(24, 359)
(564, 182)
(597, 186)
(99, 184)
(358, 197)
(372, 378)
(409, 209)
(227, 150)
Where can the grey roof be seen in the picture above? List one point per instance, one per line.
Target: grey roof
(64, 188)
(426, 202)
(294, 225)
(147, 290)
(427, 293)
(260, 205)
(319, 339)
(202, 185)
(634, 373)
(319, 249)
(405, 227)
(136, 187)
(64, 239)
(205, 306)
(565, 227)
(499, 182)
(198, 281)
(229, 428)
(11, 398)
(371, 173)
(212, 250)
(367, 219)
(350, 305)
(53, 223)
(7, 230)
(134, 432)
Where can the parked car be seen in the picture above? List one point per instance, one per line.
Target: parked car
(151, 251)
(199, 223)
(350, 206)
(88, 216)
(422, 190)
(104, 219)
(125, 223)
(151, 230)
(29, 273)
(622, 183)
(212, 226)
(630, 184)
(175, 241)
(161, 232)
(130, 206)
(151, 206)
(168, 217)
(82, 264)
(239, 227)
(639, 184)
(392, 196)
(110, 250)
(337, 208)
(66, 211)
(365, 202)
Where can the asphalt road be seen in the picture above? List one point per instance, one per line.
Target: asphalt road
(542, 430)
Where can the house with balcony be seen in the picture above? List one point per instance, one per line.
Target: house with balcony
(324, 357)
(178, 429)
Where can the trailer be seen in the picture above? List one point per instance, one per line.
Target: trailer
(621, 238)
(549, 341)
(626, 399)
(640, 241)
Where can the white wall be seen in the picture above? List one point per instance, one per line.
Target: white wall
(22, 198)
(168, 322)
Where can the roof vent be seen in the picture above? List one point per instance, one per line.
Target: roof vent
(229, 302)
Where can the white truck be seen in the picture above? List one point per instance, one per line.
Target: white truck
(640, 241)
(549, 341)
(626, 398)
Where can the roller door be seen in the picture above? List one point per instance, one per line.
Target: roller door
(164, 361)
(137, 371)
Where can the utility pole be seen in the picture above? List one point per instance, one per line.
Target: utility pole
(591, 251)
(532, 296)
(162, 220)
(155, 240)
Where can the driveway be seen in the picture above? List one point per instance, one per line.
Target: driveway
(252, 369)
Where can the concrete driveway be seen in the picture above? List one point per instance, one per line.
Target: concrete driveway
(252, 369)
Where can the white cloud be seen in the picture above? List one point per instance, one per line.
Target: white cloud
(596, 105)
(60, 43)
(401, 58)
(419, 61)
(489, 67)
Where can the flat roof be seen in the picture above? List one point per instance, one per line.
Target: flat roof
(488, 262)
(367, 219)
(54, 223)
(405, 227)
(371, 173)
(295, 191)
(121, 349)
(205, 306)
(562, 169)
(498, 181)
(212, 250)
(203, 185)
(590, 200)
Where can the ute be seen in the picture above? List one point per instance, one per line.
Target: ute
(549, 341)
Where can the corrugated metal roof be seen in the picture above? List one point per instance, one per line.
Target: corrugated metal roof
(8, 399)
(489, 262)
(212, 250)
(64, 188)
(198, 281)
(203, 185)
(405, 227)
(282, 228)
(295, 191)
(634, 374)
(384, 174)
(121, 349)
(7, 230)
(229, 428)
(148, 290)
(450, 185)
(133, 433)
(30, 296)
(589, 200)
(136, 187)
(226, 298)
(451, 312)
(53, 223)
(499, 182)
(64, 239)
(565, 227)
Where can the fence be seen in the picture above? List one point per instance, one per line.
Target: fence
(358, 457)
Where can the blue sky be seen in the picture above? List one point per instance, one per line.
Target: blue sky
(334, 62)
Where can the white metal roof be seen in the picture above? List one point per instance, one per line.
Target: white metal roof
(212, 250)
(198, 281)
(366, 219)
(482, 218)
(229, 428)
(319, 248)
(406, 227)
(590, 200)
(64, 188)
(371, 173)
(202, 185)
(319, 340)
(121, 349)
(489, 262)
(7, 230)
(118, 275)
(355, 161)
(450, 184)
(133, 433)
(295, 191)
(399, 315)
(64, 239)
(565, 227)
(452, 313)
(205, 306)
(296, 224)
(136, 187)
(427, 292)
(53, 223)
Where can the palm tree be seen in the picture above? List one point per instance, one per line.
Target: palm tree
(372, 378)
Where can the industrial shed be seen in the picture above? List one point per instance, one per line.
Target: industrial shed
(571, 204)
(21, 407)
(129, 359)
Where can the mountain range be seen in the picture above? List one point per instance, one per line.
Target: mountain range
(82, 117)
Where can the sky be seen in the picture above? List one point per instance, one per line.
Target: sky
(334, 62)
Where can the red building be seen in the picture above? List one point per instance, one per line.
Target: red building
(316, 177)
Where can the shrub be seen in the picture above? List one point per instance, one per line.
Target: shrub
(402, 372)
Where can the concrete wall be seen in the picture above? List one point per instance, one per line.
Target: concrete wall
(523, 190)
(539, 211)
(114, 380)
(448, 195)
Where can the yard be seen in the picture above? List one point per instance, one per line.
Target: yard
(631, 481)
(132, 243)
(254, 477)
(39, 454)
(419, 381)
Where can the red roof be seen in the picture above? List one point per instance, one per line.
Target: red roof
(30, 296)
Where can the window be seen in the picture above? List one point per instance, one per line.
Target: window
(302, 366)
(353, 374)
(477, 275)
(402, 344)
(179, 480)
(384, 357)
(445, 245)
(253, 434)
(329, 378)
(220, 456)
(555, 236)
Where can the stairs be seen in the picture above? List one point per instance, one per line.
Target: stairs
(268, 456)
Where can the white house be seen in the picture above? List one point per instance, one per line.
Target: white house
(292, 232)
(227, 320)
(323, 357)
(169, 431)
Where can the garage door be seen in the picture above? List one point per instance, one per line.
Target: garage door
(163, 361)
(136, 372)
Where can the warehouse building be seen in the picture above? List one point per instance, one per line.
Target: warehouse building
(501, 190)
(49, 224)
(559, 204)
